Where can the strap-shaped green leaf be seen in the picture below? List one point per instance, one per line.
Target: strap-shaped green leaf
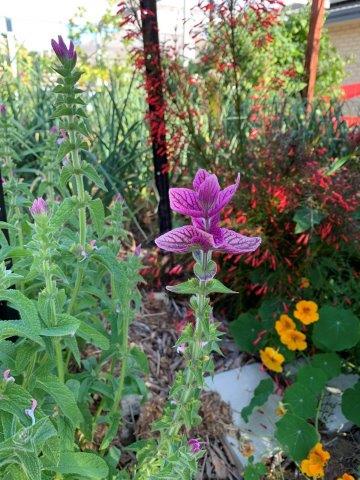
(87, 465)
(97, 214)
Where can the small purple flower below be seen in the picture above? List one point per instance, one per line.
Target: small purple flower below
(3, 109)
(39, 207)
(30, 412)
(63, 52)
(8, 377)
(203, 205)
(194, 445)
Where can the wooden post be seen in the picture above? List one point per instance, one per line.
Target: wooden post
(312, 49)
(155, 97)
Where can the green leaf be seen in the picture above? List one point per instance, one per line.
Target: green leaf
(261, 395)
(312, 378)
(63, 214)
(296, 436)
(140, 359)
(350, 404)
(186, 288)
(17, 328)
(245, 330)
(65, 148)
(306, 218)
(329, 363)
(86, 465)
(30, 464)
(300, 401)
(254, 471)
(92, 335)
(65, 174)
(97, 214)
(114, 421)
(90, 172)
(337, 164)
(215, 286)
(63, 396)
(26, 308)
(67, 325)
(338, 329)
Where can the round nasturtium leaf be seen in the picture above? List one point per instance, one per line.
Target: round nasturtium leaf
(245, 330)
(312, 378)
(296, 436)
(350, 405)
(329, 363)
(300, 401)
(337, 329)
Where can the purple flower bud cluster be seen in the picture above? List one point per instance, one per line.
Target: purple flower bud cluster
(65, 54)
(195, 445)
(39, 207)
(203, 205)
(3, 109)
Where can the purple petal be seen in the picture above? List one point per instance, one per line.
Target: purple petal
(200, 177)
(233, 242)
(184, 201)
(185, 239)
(225, 196)
(208, 192)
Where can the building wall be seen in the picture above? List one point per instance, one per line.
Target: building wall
(345, 36)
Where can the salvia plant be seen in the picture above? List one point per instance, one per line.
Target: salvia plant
(64, 290)
(175, 455)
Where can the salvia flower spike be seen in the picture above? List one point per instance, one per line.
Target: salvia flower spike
(203, 205)
(39, 207)
(65, 54)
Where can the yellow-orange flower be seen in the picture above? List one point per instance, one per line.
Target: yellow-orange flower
(294, 340)
(284, 323)
(307, 312)
(280, 410)
(313, 465)
(304, 282)
(272, 359)
(346, 476)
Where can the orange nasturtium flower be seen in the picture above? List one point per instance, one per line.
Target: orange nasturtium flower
(307, 312)
(284, 323)
(294, 340)
(313, 465)
(346, 476)
(272, 359)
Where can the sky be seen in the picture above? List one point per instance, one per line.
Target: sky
(35, 22)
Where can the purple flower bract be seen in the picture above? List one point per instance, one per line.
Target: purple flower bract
(203, 204)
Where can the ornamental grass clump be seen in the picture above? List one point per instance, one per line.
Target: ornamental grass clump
(175, 456)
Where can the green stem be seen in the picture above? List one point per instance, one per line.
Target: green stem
(75, 292)
(50, 288)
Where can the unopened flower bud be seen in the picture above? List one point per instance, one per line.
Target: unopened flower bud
(3, 109)
(39, 207)
(64, 53)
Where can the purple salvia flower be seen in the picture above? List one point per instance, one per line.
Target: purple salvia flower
(203, 204)
(54, 130)
(7, 376)
(30, 412)
(119, 198)
(39, 207)
(194, 445)
(186, 239)
(181, 348)
(3, 109)
(206, 200)
(64, 53)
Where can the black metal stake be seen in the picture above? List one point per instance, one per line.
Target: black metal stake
(155, 97)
